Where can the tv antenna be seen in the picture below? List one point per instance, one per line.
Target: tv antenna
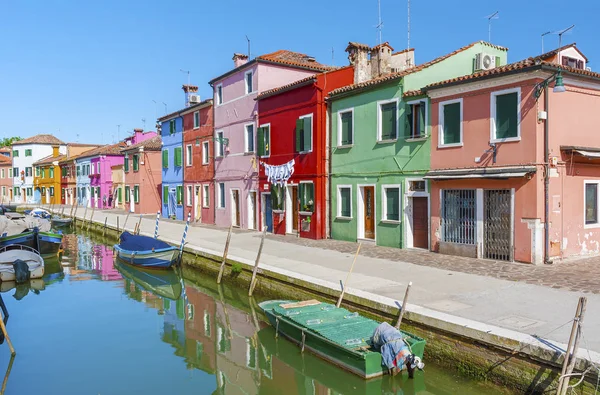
(490, 18)
(379, 24)
(186, 72)
(560, 34)
(544, 34)
(408, 25)
(247, 39)
(118, 131)
(144, 123)
(155, 112)
(165, 107)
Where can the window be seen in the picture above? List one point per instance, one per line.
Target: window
(459, 216)
(63, 171)
(506, 115)
(165, 159)
(205, 196)
(221, 195)
(450, 129)
(29, 172)
(417, 186)
(263, 141)
(136, 162)
(3, 191)
(416, 119)
(178, 158)
(28, 152)
(179, 195)
(387, 128)
(344, 201)
(78, 171)
(249, 138)
(43, 190)
(37, 171)
(87, 170)
(307, 196)
(93, 168)
(206, 323)
(219, 94)
(62, 192)
(127, 193)
(219, 143)
(205, 153)
(591, 203)
(172, 126)
(196, 119)
(98, 168)
(571, 62)
(119, 195)
(51, 191)
(165, 194)
(126, 164)
(190, 194)
(16, 172)
(3, 173)
(197, 142)
(277, 198)
(97, 192)
(29, 191)
(248, 79)
(136, 193)
(10, 172)
(304, 133)
(51, 171)
(346, 127)
(15, 153)
(250, 354)
(391, 203)
(188, 155)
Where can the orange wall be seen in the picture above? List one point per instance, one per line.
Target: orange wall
(148, 177)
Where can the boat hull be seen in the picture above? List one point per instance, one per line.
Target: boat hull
(27, 239)
(163, 283)
(158, 259)
(59, 222)
(33, 260)
(49, 243)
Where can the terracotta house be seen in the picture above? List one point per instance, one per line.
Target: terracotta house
(6, 181)
(142, 181)
(515, 166)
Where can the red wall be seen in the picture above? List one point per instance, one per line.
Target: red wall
(281, 112)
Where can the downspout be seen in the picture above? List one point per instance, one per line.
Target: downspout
(546, 181)
(328, 154)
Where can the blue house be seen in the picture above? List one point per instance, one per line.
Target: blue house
(83, 182)
(172, 165)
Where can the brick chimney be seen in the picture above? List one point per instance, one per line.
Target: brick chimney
(137, 135)
(239, 59)
(381, 56)
(55, 151)
(358, 55)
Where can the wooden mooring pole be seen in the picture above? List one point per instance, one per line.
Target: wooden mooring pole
(222, 268)
(260, 248)
(339, 302)
(125, 223)
(571, 351)
(403, 308)
(104, 230)
(117, 224)
(91, 217)
(3, 328)
(139, 225)
(84, 214)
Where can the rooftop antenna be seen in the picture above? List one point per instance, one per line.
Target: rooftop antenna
(560, 34)
(247, 39)
(489, 18)
(144, 123)
(379, 24)
(332, 57)
(408, 25)
(155, 112)
(544, 34)
(118, 130)
(165, 107)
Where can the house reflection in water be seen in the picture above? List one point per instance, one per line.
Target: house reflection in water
(93, 260)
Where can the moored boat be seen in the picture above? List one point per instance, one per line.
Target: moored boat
(26, 238)
(12, 253)
(59, 222)
(163, 283)
(146, 251)
(49, 243)
(334, 334)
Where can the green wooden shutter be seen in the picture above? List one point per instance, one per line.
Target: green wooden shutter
(346, 137)
(299, 134)
(408, 121)
(451, 123)
(267, 141)
(422, 120)
(126, 163)
(498, 61)
(179, 194)
(506, 115)
(260, 140)
(127, 194)
(165, 159)
(388, 121)
(136, 162)
(120, 195)
(345, 202)
(165, 194)
(136, 193)
(307, 134)
(52, 172)
(392, 196)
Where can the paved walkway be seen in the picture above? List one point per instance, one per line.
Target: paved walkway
(529, 299)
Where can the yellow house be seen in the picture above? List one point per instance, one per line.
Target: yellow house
(46, 179)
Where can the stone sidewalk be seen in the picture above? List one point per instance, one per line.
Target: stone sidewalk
(535, 300)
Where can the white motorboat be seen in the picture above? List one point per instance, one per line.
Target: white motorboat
(10, 253)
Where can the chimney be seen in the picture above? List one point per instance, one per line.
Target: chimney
(403, 60)
(358, 55)
(381, 56)
(239, 59)
(189, 90)
(55, 151)
(137, 135)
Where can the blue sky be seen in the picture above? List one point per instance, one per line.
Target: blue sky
(77, 69)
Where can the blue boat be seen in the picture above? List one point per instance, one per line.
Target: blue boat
(47, 243)
(146, 251)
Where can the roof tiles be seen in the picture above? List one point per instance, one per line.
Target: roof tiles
(40, 139)
(153, 144)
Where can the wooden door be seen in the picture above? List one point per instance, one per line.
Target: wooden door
(295, 209)
(236, 207)
(369, 212)
(420, 222)
(197, 200)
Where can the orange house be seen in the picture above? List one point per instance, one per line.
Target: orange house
(515, 161)
(142, 182)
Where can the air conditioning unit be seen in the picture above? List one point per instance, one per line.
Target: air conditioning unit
(484, 61)
(194, 99)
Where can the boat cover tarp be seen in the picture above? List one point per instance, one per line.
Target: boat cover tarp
(389, 341)
(21, 271)
(132, 242)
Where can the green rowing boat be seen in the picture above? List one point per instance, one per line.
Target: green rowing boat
(334, 334)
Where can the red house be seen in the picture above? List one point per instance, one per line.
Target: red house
(198, 163)
(292, 154)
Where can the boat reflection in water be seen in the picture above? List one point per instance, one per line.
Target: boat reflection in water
(164, 283)
(34, 285)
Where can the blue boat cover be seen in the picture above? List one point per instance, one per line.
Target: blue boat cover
(388, 340)
(141, 243)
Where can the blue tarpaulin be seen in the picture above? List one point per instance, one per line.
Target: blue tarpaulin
(389, 341)
(132, 242)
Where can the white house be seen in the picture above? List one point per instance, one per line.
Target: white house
(25, 153)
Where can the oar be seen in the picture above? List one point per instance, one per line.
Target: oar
(339, 302)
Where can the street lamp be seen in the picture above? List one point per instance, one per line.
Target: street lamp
(559, 85)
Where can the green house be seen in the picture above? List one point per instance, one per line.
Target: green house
(380, 139)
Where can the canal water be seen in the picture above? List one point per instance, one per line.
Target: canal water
(95, 326)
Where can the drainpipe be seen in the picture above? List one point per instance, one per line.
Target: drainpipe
(546, 181)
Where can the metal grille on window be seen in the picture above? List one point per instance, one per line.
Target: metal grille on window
(458, 216)
(497, 230)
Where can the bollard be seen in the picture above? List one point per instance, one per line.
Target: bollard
(253, 281)
(222, 268)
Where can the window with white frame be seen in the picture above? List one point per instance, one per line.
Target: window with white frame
(219, 94)
(506, 115)
(304, 133)
(387, 120)
(591, 203)
(188, 155)
(248, 82)
(205, 196)
(205, 153)
(219, 144)
(451, 123)
(196, 119)
(346, 127)
(416, 119)
(249, 138)
(344, 201)
(221, 195)
(391, 203)
(190, 194)
(263, 141)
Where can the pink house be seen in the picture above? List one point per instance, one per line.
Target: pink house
(235, 124)
(514, 149)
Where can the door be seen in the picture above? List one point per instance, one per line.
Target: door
(197, 200)
(252, 210)
(267, 212)
(132, 200)
(295, 205)
(235, 197)
(497, 229)
(369, 212)
(172, 207)
(420, 221)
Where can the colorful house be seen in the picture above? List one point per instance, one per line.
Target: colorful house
(199, 170)
(118, 179)
(172, 165)
(25, 153)
(83, 187)
(514, 164)
(380, 138)
(142, 170)
(6, 181)
(95, 164)
(297, 114)
(235, 123)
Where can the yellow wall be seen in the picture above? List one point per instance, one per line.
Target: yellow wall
(46, 182)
